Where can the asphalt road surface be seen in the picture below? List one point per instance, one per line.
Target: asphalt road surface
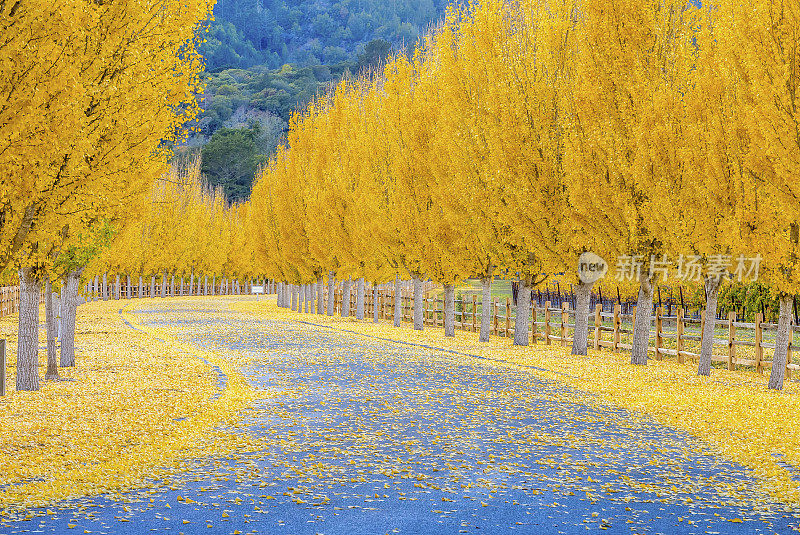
(366, 436)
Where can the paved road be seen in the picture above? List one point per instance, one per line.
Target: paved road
(366, 436)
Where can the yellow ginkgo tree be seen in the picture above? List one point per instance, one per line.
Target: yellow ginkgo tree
(634, 64)
(98, 104)
(758, 47)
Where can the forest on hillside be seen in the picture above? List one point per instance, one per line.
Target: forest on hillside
(267, 58)
(273, 33)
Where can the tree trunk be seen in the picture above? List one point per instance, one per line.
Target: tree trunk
(69, 307)
(153, 286)
(301, 290)
(360, 299)
(707, 345)
(375, 312)
(580, 338)
(779, 360)
(398, 301)
(51, 327)
(644, 313)
(320, 296)
(486, 308)
(172, 286)
(521, 335)
(331, 293)
(419, 304)
(346, 297)
(141, 287)
(294, 297)
(450, 310)
(28, 332)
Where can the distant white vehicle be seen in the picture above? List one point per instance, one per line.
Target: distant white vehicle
(257, 290)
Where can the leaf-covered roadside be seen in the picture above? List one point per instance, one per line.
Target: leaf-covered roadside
(134, 409)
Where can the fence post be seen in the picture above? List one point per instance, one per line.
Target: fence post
(679, 335)
(659, 326)
(508, 315)
(731, 339)
(564, 322)
(617, 324)
(2, 367)
(533, 323)
(474, 308)
(789, 351)
(598, 321)
(547, 318)
(759, 335)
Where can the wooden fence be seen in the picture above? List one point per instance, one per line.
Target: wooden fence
(735, 343)
(123, 287)
(9, 300)
(168, 285)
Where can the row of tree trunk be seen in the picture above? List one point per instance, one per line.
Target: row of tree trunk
(66, 304)
(302, 298)
(164, 288)
(298, 298)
